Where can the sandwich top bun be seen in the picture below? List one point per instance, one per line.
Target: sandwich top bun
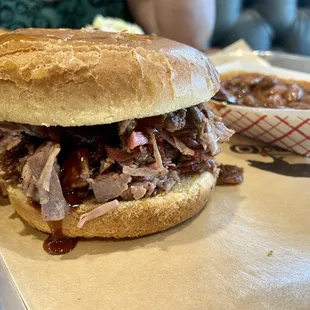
(131, 218)
(87, 77)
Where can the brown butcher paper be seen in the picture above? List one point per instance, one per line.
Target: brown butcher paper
(248, 249)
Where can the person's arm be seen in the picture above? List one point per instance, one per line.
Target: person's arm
(187, 21)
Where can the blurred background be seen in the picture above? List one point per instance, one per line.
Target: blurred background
(281, 25)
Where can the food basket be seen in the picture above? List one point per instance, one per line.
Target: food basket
(286, 128)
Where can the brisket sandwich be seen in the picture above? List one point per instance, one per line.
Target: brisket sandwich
(106, 134)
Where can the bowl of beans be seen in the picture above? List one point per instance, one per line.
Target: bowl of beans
(266, 103)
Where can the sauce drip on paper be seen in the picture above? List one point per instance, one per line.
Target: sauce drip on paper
(57, 243)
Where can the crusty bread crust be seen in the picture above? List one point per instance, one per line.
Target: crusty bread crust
(82, 77)
(133, 218)
(3, 31)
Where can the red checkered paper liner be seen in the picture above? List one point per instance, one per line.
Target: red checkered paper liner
(288, 132)
(286, 128)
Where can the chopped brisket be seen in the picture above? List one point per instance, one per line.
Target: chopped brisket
(9, 141)
(135, 139)
(195, 117)
(97, 212)
(118, 155)
(175, 120)
(13, 159)
(140, 172)
(132, 159)
(138, 191)
(156, 152)
(109, 186)
(55, 207)
(193, 166)
(142, 156)
(126, 127)
(190, 142)
(230, 175)
(106, 164)
(41, 166)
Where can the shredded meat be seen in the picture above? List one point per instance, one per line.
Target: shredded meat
(135, 139)
(196, 117)
(142, 156)
(157, 155)
(175, 120)
(99, 211)
(44, 177)
(109, 186)
(211, 131)
(28, 183)
(9, 141)
(105, 164)
(13, 160)
(190, 166)
(126, 127)
(117, 154)
(140, 172)
(177, 143)
(167, 182)
(54, 207)
(60, 167)
(138, 191)
(230, 175)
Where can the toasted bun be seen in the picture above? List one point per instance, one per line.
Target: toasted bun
(3, 31)
(133, 218)
(87, 77)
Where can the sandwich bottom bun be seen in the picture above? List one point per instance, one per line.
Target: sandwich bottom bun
(131, 218)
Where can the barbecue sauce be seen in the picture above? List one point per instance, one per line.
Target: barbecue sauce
(267, 91)
(75, 170)
(73, 199)
(57, 243)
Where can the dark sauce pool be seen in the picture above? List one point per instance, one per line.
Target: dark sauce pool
(57, 243)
